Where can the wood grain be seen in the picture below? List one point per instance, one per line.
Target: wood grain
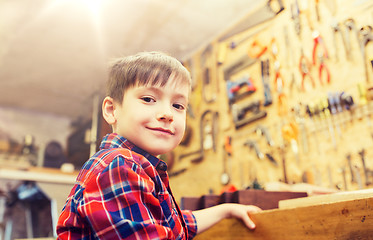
(342, 220)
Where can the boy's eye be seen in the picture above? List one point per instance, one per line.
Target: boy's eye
(178, 106)
(148, 99)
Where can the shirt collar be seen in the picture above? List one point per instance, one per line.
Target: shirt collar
(114, 140)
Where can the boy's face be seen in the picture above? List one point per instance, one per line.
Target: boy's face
(153, 117)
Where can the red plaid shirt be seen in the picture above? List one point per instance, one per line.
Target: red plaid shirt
(123, 192)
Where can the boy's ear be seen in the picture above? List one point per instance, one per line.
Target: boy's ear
(108, 110)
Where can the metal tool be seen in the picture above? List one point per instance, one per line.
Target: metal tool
(304, 68)
(343, 171)
(199, 154)
(267, 12)
(351, 26)
(318, 42)
(227, 165)
(279, 81)
(323, 70)
(295, 16)
(266, 84)
(237, 89)
(317, 10)
(240, 113)
(358, 176)
(263, 131)
(310, 110)
(290, 133)
(352, 173)
(254, 145)
(241, 63)
(299, 119)
(326, 116)
(206, 79)
(338, 31)
(366, 36)
(366, 170)
(332, 105)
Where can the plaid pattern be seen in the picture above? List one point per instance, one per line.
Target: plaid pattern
(123, 192)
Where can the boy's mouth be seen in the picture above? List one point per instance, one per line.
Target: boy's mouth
(163, 130)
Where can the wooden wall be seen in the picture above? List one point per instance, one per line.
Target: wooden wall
(322, 142)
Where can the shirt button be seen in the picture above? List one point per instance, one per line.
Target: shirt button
(162, 166)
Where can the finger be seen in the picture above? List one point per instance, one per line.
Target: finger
(248, 222)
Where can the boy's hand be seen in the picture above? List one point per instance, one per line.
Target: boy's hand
(210, 216)
(242, 212)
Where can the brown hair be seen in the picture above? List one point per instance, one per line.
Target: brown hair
(142, 69)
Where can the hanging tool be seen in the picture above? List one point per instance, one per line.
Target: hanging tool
(317, 10)
(259, 154)
(295, 16)
(265, 13)
(242, 62)
(323, 70)
(347, 102)
(318, 41)
(200, 152)
(351, 26)
(263, 131)
(256, 49)
(358, 176)
(282, 151)
(366, 170)
(241, 111)
(326, 116)
(352, 173)
(337, 30)
(266, 83)
(237, 89)
(254, 145)
(343, 171)
(222, 53)
(364, 106)
(304, 68)
(290, 133)
(207, 84)
(225, 177)
(333, 110)
(300, 121)
(310, 110)
(279, 81)
(366, 36)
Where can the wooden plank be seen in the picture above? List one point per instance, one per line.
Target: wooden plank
(342, 220)
(326, 198)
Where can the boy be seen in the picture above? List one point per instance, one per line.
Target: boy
(123, 192)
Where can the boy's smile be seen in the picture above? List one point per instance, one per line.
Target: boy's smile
(153, 117)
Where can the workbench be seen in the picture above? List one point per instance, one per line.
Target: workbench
(345, 215)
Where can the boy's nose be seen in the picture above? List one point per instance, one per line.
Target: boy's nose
(165, 115)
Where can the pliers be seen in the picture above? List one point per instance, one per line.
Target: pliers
(323, 68)
(304, 68)
(318, 40)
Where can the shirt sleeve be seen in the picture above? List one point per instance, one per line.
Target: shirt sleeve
(191, 223)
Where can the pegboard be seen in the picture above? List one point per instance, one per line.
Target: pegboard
(315, 149)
